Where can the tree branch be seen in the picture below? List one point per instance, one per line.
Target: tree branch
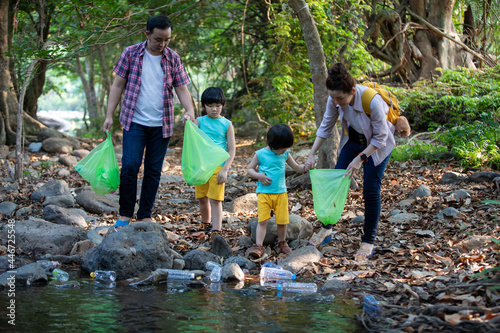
(442, 34)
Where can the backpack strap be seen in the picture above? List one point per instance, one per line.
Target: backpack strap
(366, 99)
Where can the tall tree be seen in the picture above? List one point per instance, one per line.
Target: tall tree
(416, 37)
(8, 98)
(328, 151)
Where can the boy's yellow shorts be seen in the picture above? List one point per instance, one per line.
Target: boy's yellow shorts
(275, 201)
(211, 189)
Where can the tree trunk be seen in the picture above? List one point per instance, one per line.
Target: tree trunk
(328, 152)
(87, 78)
(8, 98)
(431, 49)
(35, 88)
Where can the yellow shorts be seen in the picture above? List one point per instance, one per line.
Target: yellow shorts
(275, 201)
(211, 189)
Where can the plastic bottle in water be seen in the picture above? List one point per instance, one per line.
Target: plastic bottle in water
(267, 273)
(48, 265)
(371, 306)
(216, 271)
(272, 265)
(60, 275)
(104, 275)
(298, 287)
(177, 274)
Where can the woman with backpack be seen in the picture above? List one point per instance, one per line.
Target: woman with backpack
(366, 141)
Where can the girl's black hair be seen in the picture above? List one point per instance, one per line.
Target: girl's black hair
(161, 22)
(213, 95)
(279, 136)
(339, 78)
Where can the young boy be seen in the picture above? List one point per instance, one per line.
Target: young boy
(268, 167)
(221, 131)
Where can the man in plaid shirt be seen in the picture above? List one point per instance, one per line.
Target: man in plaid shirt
(148, 72)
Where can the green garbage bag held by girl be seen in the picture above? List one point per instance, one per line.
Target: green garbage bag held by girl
(330, 189)
(200, 155)
(100, 168)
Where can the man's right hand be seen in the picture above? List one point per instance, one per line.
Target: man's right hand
(107, 124)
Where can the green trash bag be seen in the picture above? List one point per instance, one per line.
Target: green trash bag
(200, 155)
(330, 189)
(100, 168)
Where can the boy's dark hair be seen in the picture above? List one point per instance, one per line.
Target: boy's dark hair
(213, 95)
(279, 136)
(161, 22)
(340, 79)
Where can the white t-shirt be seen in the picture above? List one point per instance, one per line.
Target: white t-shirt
(149, 106)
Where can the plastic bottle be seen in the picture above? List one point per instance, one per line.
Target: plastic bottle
(104, 275)
(48, 265)
(267, 273)
(298, 287)
(177, 274)
(371, 306)
(216, 271)
(60, 275)
(272, 265)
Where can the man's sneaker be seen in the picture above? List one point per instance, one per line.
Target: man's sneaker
(256, 251)
(283, 247)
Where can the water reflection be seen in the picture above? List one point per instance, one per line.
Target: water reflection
(174, 307)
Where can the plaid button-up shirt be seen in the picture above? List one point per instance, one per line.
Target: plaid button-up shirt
(129, 67)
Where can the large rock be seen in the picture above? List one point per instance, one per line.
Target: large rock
(7, 208)
(246, 203)
(51, 189)
(48, 132)
(97, 204)
(297, 228)
(136, 249)
(60, 200)
(42, 237)
(31, 274)
(196, 259)
(299, 258)
(452, 178)
(59, 215)
(57, 145)
(485, 176)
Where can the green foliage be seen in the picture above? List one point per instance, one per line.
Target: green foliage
(462, 95)
(418, 150)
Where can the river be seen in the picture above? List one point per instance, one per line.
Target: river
(174, 307)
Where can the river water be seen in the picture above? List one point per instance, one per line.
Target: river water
(174, 307)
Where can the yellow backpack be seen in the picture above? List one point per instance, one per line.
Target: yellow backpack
(400, 122)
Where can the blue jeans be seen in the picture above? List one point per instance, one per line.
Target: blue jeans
(372, 181)
(137, 139)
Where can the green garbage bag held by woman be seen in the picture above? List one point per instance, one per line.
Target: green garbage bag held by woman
(330, 189)
(200, 155)
(100, 168)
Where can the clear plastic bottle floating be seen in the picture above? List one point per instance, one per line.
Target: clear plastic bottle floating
(104, 275)
(60, 275)
(298, 287)
(267, 273)
(371, 306)
(177, 274)
(216, 271)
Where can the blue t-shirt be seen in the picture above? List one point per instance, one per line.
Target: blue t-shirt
(216, 129)
(273, 165)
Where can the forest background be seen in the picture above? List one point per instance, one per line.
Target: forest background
(270, 57)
